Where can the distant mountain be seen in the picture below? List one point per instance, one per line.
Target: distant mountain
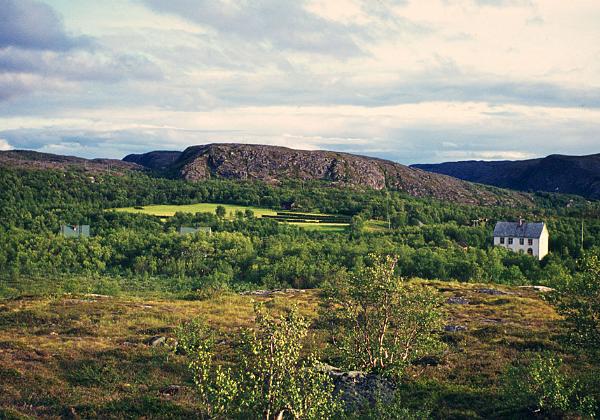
(157, 160)
(274, 164)
(29, 159)
(555, 173)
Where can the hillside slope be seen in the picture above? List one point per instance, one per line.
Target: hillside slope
(273, 164)
(28, 159)
(555, 173)
(157, 160)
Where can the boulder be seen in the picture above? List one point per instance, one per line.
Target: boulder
(457, 300)
(541, 289)
(494, 292)
(360, 389)
(171, 390)
(157, 340)
(455, 328)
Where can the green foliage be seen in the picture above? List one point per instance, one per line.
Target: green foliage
(356, 226)
(392, 410)
(137, 253)
(380, 321)
(191, 336)
(270, 379)
(578, 300)
(542, 386)
(220, 211)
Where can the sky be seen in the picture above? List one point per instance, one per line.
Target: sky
(414, 81)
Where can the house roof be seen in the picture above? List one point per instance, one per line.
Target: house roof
(513, 229)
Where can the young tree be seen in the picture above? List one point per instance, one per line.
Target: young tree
(542, 386)
(356, 226)
(271, 380)
(578, 301)
(220, 211)
(382, 322)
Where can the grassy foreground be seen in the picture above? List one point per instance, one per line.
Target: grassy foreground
(88, 355)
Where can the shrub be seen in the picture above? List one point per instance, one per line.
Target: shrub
(270, 380)
(579, 302)
(381, 322)
(541, 386)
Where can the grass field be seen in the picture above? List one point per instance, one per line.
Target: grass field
(86, 356)
(168, 210)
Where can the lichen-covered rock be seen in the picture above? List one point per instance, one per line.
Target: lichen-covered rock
(457, 300)
(274, 164)
(455, 328)
(359, 389)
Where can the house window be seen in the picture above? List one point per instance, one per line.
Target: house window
(529, 242)
(510, 240)
(530, 251)
(502, 241)
(521, 241)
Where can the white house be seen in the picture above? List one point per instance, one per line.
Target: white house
(521, 236)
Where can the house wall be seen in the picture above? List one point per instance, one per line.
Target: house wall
(544, 239)
(539, 246)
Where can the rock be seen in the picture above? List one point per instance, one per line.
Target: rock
(455, 328)
(541, 289)
(157, 340)
(457, 300)
(171, 390)
(427, 361)
(492, 292)
(97, 296)
(272, 164)
(493, 320)
(359, 389)
(265, 293)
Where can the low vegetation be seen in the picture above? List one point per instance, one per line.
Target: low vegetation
(90, 355)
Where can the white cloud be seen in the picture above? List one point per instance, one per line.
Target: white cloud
(5, 145)
(415, 81)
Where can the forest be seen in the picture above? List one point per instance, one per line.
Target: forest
(135, 252)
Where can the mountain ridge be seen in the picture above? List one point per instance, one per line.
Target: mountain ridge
(276, 163)
(566, 174)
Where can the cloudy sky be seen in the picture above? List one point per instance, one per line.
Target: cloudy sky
(410, 80)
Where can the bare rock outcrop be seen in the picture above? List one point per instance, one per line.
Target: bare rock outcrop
(274, 164)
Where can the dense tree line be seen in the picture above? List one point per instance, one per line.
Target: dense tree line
(432, 239)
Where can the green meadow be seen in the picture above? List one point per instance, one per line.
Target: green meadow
(168, 210)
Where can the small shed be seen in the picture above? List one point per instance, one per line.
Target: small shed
(75, 231)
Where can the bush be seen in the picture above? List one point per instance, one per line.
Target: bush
(579, 302)
(270, 380)
(541, 386)
(381, 322)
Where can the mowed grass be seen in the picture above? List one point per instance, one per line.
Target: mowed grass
(88, 355)
(171, 209)
(321, 227)
(168, 210)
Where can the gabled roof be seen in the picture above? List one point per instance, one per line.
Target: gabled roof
(524, 230)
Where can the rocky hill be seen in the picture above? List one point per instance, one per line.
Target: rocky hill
(29, 159)
(555, 173)
(273, 164)
(158, 160)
